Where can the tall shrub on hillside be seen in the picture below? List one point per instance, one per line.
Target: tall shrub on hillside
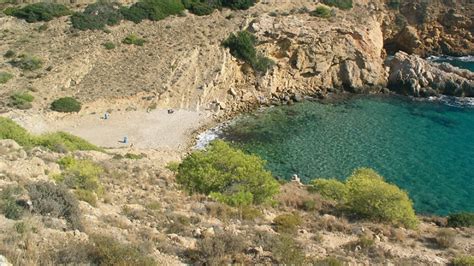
(238, 4)
(230, 175)
(366, 195)
(242, 46)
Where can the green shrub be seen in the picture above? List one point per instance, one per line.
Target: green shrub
(152, 10)
(98, 15)
(202, 7)
(463, 219)
(5, 77)
(11, 130)
(66, 105)
(134, 39)
(394, 4)
(221, 169)
(108, 251)
(463, 261)
(81, 175)
(9, 54)
(8, 202)
(371, 197)
(62, 142)
(109, 45)
(21, 100)
(59, 141)
(367, 195)
(330, 189)
(242, 46)
(341, 4)
(287, 223)
(40, 12)
(238, 4)
(27, 62)
(56, 201)
(322, 12)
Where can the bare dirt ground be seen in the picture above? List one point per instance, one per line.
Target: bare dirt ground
(145, 130)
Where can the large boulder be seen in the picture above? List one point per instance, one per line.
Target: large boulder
(413, 75)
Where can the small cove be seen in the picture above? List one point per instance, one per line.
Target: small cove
(425, 147)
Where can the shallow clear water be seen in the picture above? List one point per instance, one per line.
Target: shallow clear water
(426, 148)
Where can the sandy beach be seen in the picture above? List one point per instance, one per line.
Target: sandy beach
(145, 130)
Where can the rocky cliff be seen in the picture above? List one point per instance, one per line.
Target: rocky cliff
(429, 27)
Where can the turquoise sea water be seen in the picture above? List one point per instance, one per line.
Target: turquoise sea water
(427, 148)
(466, 62)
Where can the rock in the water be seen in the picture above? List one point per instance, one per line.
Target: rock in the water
(412, 75)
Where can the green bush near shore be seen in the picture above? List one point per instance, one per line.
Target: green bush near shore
(66, 105)
(341, 4)
(39, 12)
(228, 174)
(463, 219)
(59, 141)
(366, 195)
(242, 46)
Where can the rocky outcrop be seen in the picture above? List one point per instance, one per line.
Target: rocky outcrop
(430, 27)
(412, 75)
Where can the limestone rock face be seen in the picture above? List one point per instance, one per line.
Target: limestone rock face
(412, 75)
(314, 54)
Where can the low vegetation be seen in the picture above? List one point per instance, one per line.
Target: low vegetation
(366, 195)
(56, 201)
(152, 9)
(59, 141)
(39, 12)
(109, 45)
(27, 62)
(66, 105)
(341, 4)
(83, 176)
(134, 39)
(5, 77)
(322, 12)
(21, 100)
(97, 16)
(463, 261)
(228, 174)
(9, 205)
(445, 238)
(223, 249)
(463, 219)
(287, 223)
(242, 46)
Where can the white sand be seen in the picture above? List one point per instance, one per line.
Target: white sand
(155, 130)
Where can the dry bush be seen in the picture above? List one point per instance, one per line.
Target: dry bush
(331, 223)
(219, 211)
(294, 195)
(445, 238)
(223, 249)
